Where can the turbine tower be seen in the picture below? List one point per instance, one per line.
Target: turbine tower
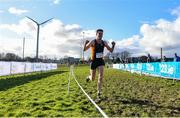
(38, 28)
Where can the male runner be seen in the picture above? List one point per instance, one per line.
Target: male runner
(97, 48)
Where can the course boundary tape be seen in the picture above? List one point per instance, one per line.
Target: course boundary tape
(100, 110)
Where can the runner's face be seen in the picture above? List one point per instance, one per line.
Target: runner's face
(99, 35)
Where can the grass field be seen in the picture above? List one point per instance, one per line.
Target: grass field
(124, 94)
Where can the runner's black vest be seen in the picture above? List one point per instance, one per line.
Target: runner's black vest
(98, 48)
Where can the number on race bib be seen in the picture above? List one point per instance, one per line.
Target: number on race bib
(99, 55)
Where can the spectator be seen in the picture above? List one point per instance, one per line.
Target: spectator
(176, 58)
(164, 59)
(149, 59)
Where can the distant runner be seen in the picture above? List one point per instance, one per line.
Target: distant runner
(97, 48)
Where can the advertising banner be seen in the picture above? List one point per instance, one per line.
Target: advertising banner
(7, 68)
(17, 67)
(29, 67)
(162, 69)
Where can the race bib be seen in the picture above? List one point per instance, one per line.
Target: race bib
(99, 55)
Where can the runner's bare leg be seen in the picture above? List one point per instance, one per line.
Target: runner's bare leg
(92, 75)
(100, 78)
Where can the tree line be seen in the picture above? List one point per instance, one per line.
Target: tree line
(118, 57)
(15, 57)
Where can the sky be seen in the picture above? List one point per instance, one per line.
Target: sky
(137, 26)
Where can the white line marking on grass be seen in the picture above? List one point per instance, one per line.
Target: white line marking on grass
(70, 73)
(100, 110)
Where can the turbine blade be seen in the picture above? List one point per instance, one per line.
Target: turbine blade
(46, 21)
(32, 20)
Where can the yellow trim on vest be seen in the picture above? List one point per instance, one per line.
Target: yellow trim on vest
(93, 53)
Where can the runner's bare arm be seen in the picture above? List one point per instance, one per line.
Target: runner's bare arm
(88, 44)
(109, 48)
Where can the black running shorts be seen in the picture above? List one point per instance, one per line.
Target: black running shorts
(95, 63)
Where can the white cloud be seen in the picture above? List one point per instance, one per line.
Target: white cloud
(14, 10)
(130, 44)
(1, 11)
(24, 27)
(164, 34)
(56, 38)
(59, 39)
(65, 39)
(176, 11)
(56, 1)
(12, 34)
